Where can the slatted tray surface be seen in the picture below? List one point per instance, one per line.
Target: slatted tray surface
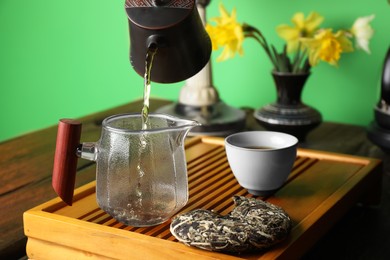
(321, 187)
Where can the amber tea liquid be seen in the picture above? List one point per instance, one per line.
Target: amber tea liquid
(148, 67)
(143, 145)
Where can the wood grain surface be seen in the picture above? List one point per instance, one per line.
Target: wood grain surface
(320, 189)
(26, 165)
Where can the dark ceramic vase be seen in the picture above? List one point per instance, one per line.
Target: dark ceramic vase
(289, 114)
(379, 129)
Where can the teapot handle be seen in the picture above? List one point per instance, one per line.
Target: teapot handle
(65, 159)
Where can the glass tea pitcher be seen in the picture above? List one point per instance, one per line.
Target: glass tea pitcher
(141, 175)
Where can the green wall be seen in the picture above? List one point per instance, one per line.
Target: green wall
(70, 58)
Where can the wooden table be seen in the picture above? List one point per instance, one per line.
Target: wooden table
(26, 165)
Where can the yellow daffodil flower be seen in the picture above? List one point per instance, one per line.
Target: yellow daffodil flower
(227, 33)
(310, 43)
(302, 28)
(327, 46)
(363, 32)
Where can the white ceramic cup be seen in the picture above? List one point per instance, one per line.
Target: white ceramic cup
(261, 160)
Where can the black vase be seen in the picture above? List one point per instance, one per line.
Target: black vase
(379, 129)
(289, 114)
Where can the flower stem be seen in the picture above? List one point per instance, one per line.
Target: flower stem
(254, 33)
(280, 61)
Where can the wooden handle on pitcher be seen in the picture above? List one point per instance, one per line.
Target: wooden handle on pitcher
(65, 159)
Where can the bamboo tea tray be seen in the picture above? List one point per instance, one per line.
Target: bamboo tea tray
(320, 189)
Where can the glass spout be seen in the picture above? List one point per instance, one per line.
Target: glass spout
(182, 129)
(186, 123)
(183, 124)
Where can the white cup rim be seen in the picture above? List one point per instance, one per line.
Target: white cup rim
(248, 138)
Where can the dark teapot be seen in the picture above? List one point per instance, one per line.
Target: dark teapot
(175, 29)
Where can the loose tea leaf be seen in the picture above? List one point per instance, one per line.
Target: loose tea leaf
(252, 225)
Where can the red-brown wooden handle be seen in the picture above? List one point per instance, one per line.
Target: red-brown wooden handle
(65, 159)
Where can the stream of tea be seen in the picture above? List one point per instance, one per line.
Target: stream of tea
(148, 67)
(151, 52)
